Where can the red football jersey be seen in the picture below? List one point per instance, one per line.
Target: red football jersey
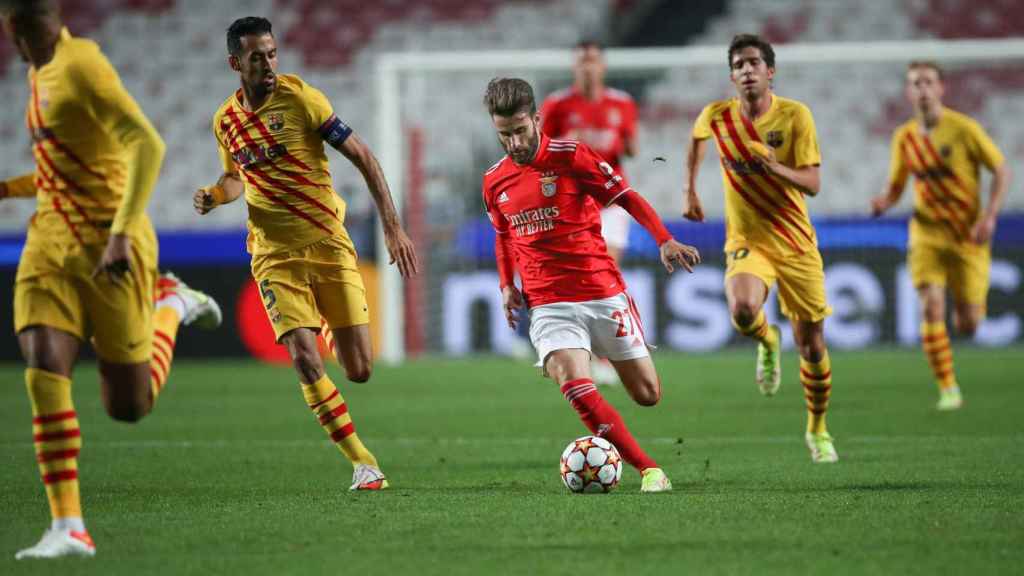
(603, 124)
(552, 226)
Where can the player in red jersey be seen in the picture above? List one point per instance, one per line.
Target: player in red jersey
(605, 120)
(542, 199)
(601, 117)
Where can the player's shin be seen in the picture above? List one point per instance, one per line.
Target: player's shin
(816, 378)
(166, 320)
(759, 329)
(935, 342)
(602, 419)
(331, 411)
(57, 440)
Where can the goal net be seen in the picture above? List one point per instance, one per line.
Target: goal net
(435, 140)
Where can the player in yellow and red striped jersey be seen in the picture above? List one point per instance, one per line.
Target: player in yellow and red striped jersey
(769, 154)
(950, 235)
(89, 267)
(271, 135)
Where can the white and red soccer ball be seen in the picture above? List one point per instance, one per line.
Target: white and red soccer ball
(590, 464)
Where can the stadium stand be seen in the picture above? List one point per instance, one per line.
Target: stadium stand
(174, 65)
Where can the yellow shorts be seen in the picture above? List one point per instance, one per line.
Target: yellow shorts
(801, 279)
(963, 267)
(319, 280)
(54, 287)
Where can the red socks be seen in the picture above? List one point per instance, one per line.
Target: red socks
(602, 419)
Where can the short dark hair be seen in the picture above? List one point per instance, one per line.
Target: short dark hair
(930, 64)
(741, 41)
(589, 43)
(509, 96)
(250, 25)
(29, 8)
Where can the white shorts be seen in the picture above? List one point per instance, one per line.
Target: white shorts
(607, 328)
(615, 227)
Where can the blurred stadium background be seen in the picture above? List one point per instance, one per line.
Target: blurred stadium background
(171, 56)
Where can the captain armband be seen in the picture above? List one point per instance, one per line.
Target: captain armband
(334, 131)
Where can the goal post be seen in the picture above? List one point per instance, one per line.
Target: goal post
(395, 70)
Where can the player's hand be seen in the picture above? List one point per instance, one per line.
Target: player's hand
(766, 157)
(693, 210)
(684, 256)
(512, 300)
(203, 201)
(402, 251)
(983, 230)
(115, 262)
(879, 205)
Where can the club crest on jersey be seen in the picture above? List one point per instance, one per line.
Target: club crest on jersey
(275, 121)
(774, 138)
(945, 150)
(614, 117)
(548, 187)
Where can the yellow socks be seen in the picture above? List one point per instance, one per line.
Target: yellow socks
(329, 407)
(758, 330)
(165, 331)
(57, 441)
(935, 342)
(816, 378)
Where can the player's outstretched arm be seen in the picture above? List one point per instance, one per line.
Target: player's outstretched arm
(692, 209)
(20, 187)
(671, 251)
(985, 227)
(227, 189)
(399, 246)
(887, 199)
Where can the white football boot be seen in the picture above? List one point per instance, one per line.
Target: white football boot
(823, 451)
(366, 477)
(58, 543)
(194, 307)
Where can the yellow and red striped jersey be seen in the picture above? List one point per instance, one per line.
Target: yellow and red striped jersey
(761, 208)
(945, 162)
(278, 150)
(82, 122)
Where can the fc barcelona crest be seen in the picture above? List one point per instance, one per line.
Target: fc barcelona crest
(774, 138)
(945, 150)
(548, 187)
(275, 121)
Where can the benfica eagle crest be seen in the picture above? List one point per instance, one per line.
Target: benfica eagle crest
(548, 187)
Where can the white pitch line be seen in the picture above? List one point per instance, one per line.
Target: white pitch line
(507, 441)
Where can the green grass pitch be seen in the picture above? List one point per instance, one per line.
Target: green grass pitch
(232, 475)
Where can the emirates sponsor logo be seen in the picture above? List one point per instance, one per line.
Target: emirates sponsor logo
(534, 220)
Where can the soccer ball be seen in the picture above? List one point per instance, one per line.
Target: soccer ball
(590, 464)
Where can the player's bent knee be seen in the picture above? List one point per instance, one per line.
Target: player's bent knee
(359, 374)
(648, 395)
(745, 312)
(967, 326)
(309, 366)
(126, 410)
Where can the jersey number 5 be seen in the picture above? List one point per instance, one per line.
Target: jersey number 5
(268, 295)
